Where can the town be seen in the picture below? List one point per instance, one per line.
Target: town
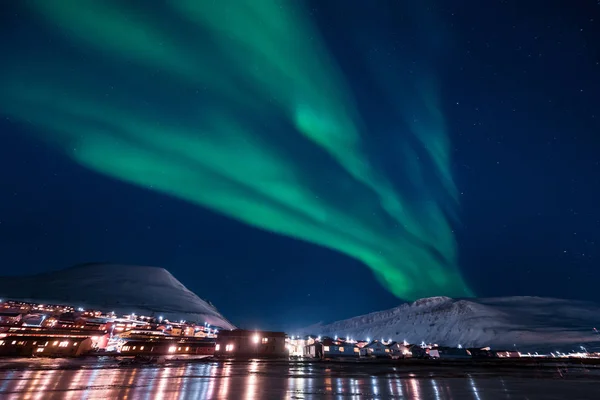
(49, 330)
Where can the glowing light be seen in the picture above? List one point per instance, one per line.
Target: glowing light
(193, 132)
(255, 339)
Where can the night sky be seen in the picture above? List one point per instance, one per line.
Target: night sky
(518, 84)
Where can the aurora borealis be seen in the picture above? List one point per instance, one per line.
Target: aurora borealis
(239, 107)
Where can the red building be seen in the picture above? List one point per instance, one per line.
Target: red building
(243, 343)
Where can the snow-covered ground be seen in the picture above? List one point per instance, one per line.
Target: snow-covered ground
(120, 288)
(527, 322)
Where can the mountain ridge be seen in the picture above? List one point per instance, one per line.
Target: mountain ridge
(115, 287)
(525, 321)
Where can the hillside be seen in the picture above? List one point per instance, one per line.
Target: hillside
(526, 322)
(120, 288)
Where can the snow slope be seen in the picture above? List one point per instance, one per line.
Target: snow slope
(120, 288)
(527, 322)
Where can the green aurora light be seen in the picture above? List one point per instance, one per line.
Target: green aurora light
(239, 109)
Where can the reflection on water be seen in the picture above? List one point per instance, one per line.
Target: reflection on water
(255, 380)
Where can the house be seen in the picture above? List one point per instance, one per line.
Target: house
(244, 343)
(484, 352)
(376, 349)
(417, 351)
(331, 348)
(399, 350)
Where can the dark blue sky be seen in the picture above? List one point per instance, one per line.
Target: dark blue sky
(521, 95)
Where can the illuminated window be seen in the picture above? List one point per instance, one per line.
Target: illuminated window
(179, 349)
(265, 340)
(356, 350)
(387, 350)
(187, 349)
(134, 347)
(341, 349)
(63, 344)
(40, 349)
(55, 343)
(172, 349)
(325, 348)
(218, 347)
(229, 347)
(141, 347)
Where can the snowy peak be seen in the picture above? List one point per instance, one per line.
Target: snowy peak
(431, 301)
(504, 321)
(122, 288)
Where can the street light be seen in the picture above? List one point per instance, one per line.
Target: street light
(255, 339)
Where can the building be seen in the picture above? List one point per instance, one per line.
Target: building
(330, 348)
(297, 345)
(450, 353)
(506, 354)
(376, 349)
(418, 351)
(10, 317)
(399, 350)
(243, 343)
(167, 346)
(62, 345)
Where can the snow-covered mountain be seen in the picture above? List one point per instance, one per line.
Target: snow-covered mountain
(120, 288)
(527, 322)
